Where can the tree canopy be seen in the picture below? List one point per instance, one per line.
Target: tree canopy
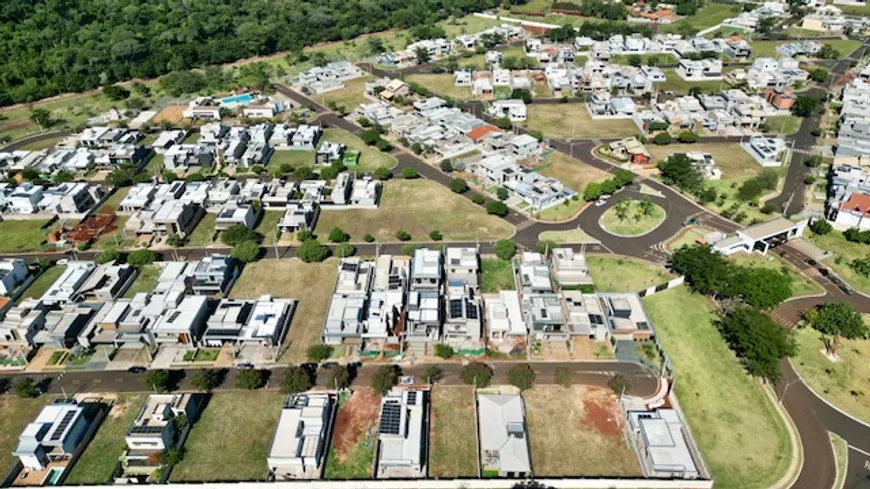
(837, 320)
(757, 340)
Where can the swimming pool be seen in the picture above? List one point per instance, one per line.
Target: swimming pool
(53, 476)
(238, 99)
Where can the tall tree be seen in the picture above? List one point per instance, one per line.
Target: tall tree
(836, 321)
(757, 340)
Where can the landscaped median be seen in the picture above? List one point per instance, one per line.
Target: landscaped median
(632, 218)
(742, 437)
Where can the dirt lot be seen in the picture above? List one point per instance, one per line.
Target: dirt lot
(171, 113)
(577, 432)
(353, 437)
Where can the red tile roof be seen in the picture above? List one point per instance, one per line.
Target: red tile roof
(481, 131)
(857, 202)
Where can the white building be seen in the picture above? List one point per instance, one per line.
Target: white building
(53, 436)
(13, 271)
(299, 444)
(402, 439)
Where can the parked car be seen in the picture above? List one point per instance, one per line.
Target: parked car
(602, 200)
(244, 366)
(136, 369)
(406, 380)
(328, 365)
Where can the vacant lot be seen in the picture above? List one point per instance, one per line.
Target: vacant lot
(842, 383)
(574, 173)
(309, 283)
(677, 84)
(268, 226)
(348, 97)
(145, 281)
(800, 285)
(742, 438)
(418, 207)
(573, 121)
(844, 252)
(707, 16)
(21, 236)
(282, 160)
(442, 84)
(354, 437)
(784, 124)
(101, 455)
(231, 439)
(370, 158)
(204, 232)
(452, 449)
(15, 413)
(496, 275)
(39, 286)
(622, 274)
(577, 432)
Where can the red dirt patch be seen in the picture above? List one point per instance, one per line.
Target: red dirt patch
(601, 414)
(171, 113)
(359, 414)
(92, 227)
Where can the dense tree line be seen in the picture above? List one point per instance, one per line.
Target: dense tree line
(55, 46)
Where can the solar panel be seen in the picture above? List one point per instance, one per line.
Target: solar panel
(391, 418)
(455, 308)
(67, 418)
(470, 310)
(412, 398)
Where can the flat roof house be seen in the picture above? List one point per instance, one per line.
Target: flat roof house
(62, 327)
(299, 444)
(21, 323)
(109, 281)
(462, 266)
(402, 439)
(183, 323)
(387, 300)
(504, 446)
(504, 317)
(53, 436)
(13, 271)
(233, 214)
(569, 267)
(215, 274)
(462, 321)
(426, 270)
(299, 216)
(154, 430)
(534, 273)
(663, 445)
(263, 321)
(64, 289)
(344, 318)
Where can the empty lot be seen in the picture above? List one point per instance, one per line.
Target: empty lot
(452, 447)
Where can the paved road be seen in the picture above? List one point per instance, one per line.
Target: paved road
(643, 382)
(35, 139)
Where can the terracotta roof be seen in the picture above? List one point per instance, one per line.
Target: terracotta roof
(857, 203)
(481, 131)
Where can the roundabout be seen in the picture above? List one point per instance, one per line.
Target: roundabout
(630, 217)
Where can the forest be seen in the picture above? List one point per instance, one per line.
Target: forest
(49, 47)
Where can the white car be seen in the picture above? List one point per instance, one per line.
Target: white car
(407, 380)
(602, 200)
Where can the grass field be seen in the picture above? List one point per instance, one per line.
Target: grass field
(348, 97)
(352, 451)
(370, 158)
(707, 16)
(688, 236)
(294, 159)
(736, 166)
(39, 286)
(844, 252)
(562, 212)
(204, 232)
(742, 438)
(624, 274)
(844, 383)
(16, 413)
(145, 281)
(418, 207)
(268, 226)
(635, 224)
(784, 124)
(115, 239)
(678, 85)
(101, 455)
(442, 84)
(231, 439)
(572, 432)
(573, 121)
(496, 275)
(575, 174)
(111, 204)
(800, 285)
(21, 236)
(572, 236)
(452, 449)
(309, 283)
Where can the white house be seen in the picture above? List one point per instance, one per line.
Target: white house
(13, 271)
(52, 436)
(299, 444)
(515, 110)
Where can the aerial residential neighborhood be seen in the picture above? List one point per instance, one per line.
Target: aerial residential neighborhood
(458, 244)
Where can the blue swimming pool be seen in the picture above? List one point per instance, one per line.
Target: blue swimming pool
(53, 476)
(238, 99)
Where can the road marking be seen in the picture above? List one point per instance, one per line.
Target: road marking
(851, 447)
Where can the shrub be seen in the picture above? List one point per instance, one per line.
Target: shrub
(206, 380)
(158, 380)
(295, 380)
(250, 379)
(410, 173)
(458, 185)
(344, 250)
(385, 378)
(821, 226)
(239, 233)
(141, 258)
(505, 249)
(312, 251)
(662, 139)
(477, 374)
(496, 208)
(339, 377)
(521, 376)
(25, 388)
(403, 235)
(446, 166)
(245, 252)
(620, 384)
(337, 235)
(688, 137)
(435, 236)
(443, 351)
(382, 173)
(477, 198)
(108, 255)
(319, 352)
(368, 238)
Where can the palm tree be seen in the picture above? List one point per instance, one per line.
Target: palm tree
(646, 207)
(621, 208)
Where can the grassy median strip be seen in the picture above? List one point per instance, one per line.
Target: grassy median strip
(743, 439)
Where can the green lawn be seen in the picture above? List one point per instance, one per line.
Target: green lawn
(21, 236)
(572, 236)
(16, 413)
(634, 223)
(678, 85)
(496, 275)
(688, 236)
(573, 173)
(844, 252)
(101, 455)
(573, 121)
(39, 286)
(203, 232)
(268, 226)
(291, 158)
(145, 281)
(623, 274)
(743, 439)
(562, 212)
(784, 124)
(115, 239)
(442, 83)
(231, 439)
(417, 207)
(707, 16)
(370, 158)
(452, 444)
(843, 383)
(800, 285)
(111, 204)
(348, 97)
